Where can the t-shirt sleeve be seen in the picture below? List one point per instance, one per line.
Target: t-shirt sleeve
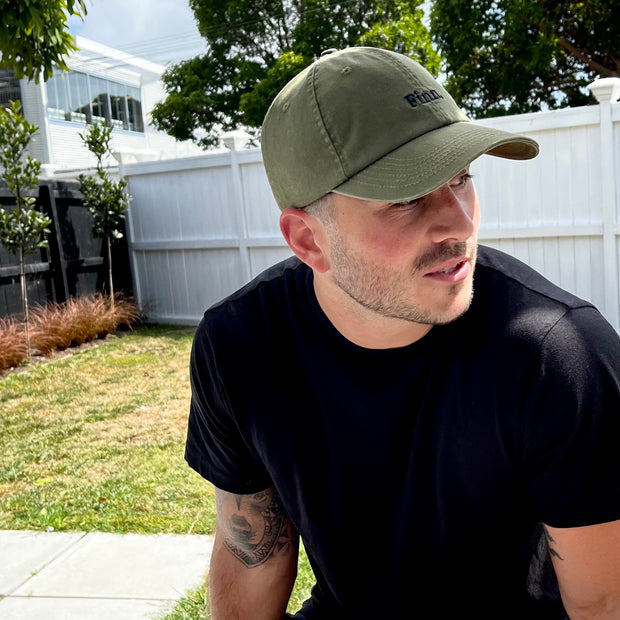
(571, 430)
(215, 446)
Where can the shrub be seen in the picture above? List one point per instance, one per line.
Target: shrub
(13, 347)
(61, 326)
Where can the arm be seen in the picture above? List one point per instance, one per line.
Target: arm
(254, 561)
(587, 564)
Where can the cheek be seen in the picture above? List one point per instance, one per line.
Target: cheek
(392, 244)
(383, 248)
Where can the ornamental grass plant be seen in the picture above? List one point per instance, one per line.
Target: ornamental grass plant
(56, 327)
(13, 344)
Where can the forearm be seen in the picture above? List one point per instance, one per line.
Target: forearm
(237, 592)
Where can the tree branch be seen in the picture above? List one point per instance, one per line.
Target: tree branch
(602, 70)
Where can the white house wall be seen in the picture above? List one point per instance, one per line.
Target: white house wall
(36, 113)
(68, 148)
(58, 143)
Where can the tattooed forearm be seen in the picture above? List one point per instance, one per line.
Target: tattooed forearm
(552, 550)
(253, 527)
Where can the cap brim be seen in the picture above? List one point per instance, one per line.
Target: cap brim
(422, 165)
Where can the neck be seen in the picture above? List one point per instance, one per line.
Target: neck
(362, 326)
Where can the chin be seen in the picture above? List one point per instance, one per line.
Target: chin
(454, 310)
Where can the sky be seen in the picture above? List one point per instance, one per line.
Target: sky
(161, 31)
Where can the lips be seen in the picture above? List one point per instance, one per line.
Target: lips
(450, 271)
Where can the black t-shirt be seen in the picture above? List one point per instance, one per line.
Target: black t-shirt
(418, 477)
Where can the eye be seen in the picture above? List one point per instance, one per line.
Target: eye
(405, 206)
(461, 179)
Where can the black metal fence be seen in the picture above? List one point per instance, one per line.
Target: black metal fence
(75, 263)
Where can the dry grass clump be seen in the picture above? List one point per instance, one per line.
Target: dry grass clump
(55, 327)
(13, 348)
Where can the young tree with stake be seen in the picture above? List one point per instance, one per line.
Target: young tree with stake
(105, 198)
(22, 229)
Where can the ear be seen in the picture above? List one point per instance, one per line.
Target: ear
(306, 236)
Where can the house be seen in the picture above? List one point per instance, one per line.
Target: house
(103, 85)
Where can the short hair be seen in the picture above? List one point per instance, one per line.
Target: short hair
(321, 208)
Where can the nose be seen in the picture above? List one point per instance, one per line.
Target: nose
(453, 214)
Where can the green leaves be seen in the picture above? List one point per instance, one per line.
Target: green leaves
(107, 201)
(255, 47)
(22, 229)
(515, 56)
(34, 35)
(202, 101)
(21, 173)
(404, 33)
(254, 104)
(105, 198)
(97, 141)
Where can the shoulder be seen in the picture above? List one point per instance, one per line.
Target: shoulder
(511, 274)
(519, 316)
(275, 278)
(253, 318)
(264, 296)
(511, 296)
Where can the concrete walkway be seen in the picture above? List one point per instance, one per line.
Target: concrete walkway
(97, 576)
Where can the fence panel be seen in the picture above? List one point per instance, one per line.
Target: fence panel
(201, 227)
(74, 264)
(39, 281)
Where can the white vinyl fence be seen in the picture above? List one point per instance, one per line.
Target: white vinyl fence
(199, 228)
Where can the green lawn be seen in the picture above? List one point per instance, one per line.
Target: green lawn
(95, 440)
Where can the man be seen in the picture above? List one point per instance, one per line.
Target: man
(434, 448)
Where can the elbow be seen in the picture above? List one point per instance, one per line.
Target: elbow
(605, 607)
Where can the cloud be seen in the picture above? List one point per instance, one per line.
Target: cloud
(160, 30)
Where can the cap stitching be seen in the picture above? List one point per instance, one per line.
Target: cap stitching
(440, 158)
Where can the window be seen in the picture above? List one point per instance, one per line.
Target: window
(9, 88)
(100, 102)
(135, 109)
(57, 97)
(79, 97)
(82, 98)
(118, 100)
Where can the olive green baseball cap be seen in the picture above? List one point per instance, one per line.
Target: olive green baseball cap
(372, 124)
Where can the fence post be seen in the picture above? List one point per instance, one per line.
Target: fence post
(234, 141)
(57, 263)
(607, 91)
(131, 237)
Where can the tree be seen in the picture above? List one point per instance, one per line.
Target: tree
(22, 229)
(255, 47)
(515, 56)
(34, 35)
(105, 198)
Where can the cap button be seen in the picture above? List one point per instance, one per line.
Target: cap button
(326, 52)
